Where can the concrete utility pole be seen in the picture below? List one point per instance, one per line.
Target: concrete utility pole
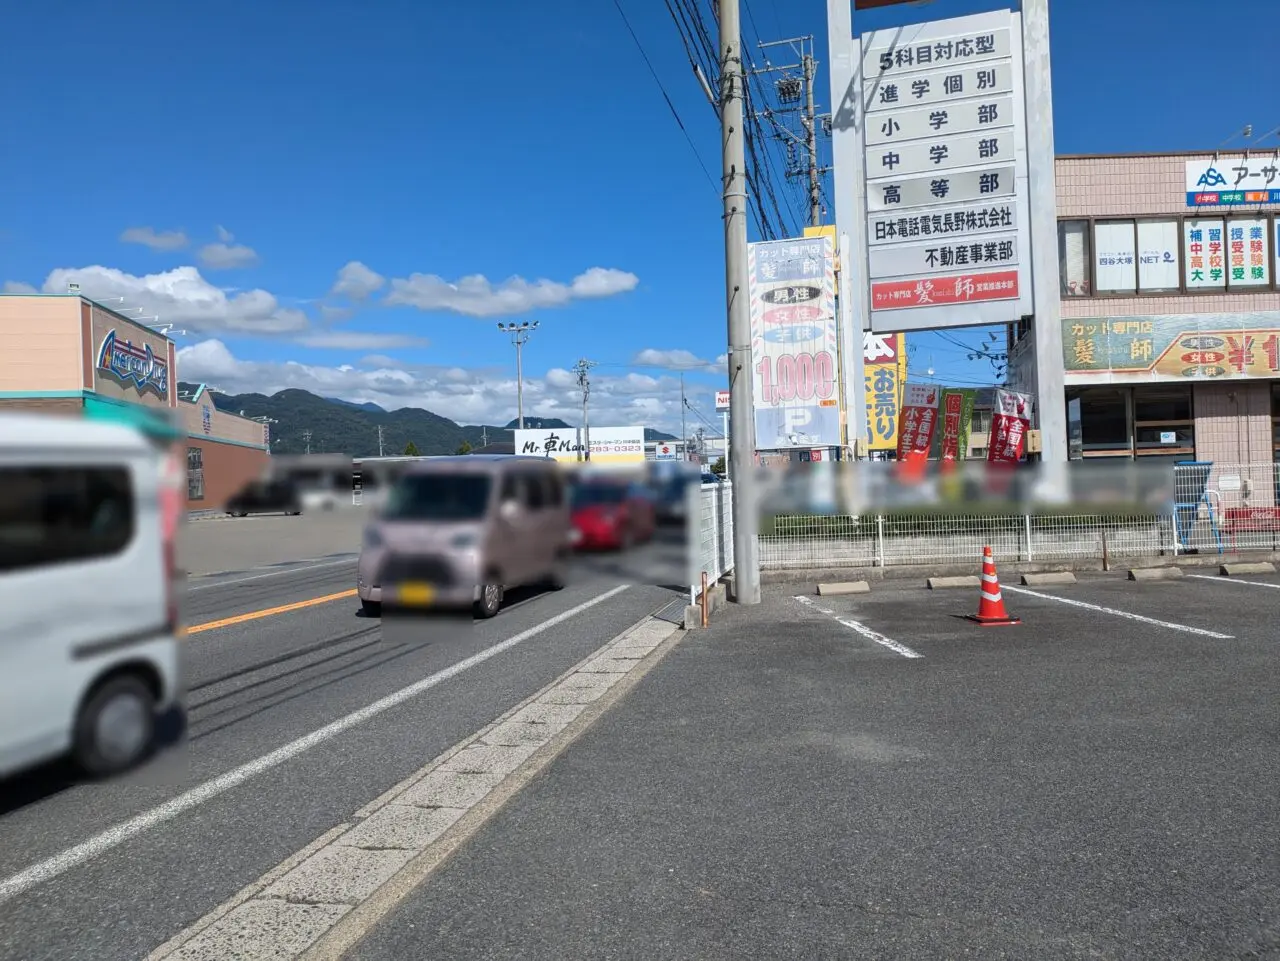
(584, 382)
(519, 337)
(306, 439)
(791, 90)
(379, 440)
(684, 427)
(746, 558)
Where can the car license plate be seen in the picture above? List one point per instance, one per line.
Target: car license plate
(417, 595)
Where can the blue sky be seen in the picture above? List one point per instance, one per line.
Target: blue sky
(258, 149)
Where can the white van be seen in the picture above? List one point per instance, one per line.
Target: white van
(89, 622)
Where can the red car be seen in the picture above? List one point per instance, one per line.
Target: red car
(611, 514)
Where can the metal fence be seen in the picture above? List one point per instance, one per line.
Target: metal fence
(711, 510)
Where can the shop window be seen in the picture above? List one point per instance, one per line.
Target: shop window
(1115, 260)
(1162, 421)
(1104, 421)
(1248, 263)
(1073, 258)
(1158, 248)
(57, 515)
(1206, 253)
(195, 474)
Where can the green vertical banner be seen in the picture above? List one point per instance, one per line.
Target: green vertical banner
(957, 417)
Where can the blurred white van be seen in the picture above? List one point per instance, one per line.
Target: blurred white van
(89, 620)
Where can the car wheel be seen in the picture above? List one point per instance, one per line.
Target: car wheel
(115, 727)
(371, 608)
(490, 600)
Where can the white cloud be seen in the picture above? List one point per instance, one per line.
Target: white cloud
(227, 256)
(357, 281)
(356, 340)
(18, 287)
(466, 396)
(475, 296)
(156, 240)
(680, 360)
(184, 298)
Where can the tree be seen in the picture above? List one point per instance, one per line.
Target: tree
(411, 450)
(718, 467)
(464, 447)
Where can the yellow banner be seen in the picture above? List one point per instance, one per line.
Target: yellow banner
(886, 378)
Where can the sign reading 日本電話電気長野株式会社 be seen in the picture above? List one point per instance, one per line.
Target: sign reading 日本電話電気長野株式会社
(944, 150)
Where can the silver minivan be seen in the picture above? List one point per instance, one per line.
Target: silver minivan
(461, 531)
(89, 643)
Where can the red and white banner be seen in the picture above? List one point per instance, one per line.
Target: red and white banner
(918, 421)
(952, 413)
(936, 291)
(1010, 421)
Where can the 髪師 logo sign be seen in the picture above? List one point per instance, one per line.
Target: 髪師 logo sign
(133, 365)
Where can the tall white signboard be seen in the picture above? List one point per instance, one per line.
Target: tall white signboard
(942, 117)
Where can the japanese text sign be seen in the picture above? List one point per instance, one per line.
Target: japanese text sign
(885, 373)
(1233, 181)
(1010, 421)
(919, 420)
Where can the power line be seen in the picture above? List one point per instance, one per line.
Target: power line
(663, 89)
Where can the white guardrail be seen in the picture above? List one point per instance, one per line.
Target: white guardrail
(710, 510)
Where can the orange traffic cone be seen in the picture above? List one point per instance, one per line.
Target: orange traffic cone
(991, 610)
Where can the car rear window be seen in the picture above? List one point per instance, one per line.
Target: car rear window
(57, 515)
(594, 495)
(439, 497)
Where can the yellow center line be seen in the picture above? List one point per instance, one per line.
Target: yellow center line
(283, 609)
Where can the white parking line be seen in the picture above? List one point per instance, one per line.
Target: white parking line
(1128, 615)
(1232, 580)
(11, 887)
(859, 628)
(258, 577)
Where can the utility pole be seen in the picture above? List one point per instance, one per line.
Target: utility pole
(684, 430)
(306, 439)
(584, 382)
(519, 337)
(746, 558)
(791, 90)
(379, 440)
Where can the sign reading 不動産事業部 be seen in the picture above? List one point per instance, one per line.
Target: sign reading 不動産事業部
(133, 365)
(794, 343)
(1234, 181)
(944, 143)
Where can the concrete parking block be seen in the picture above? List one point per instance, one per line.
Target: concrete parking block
(843, 587)
(1247, 567)
(946, 583)
(339, 875)
(401, 826)
(1048, 578)
(450, 789)
(1155, 573)
(489, 759)
(270, 930)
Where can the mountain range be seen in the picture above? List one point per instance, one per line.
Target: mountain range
(344, 427)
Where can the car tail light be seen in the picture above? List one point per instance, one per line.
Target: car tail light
(170, 517)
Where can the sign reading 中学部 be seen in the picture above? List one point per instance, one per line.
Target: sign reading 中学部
(943, 121)
(794, 341)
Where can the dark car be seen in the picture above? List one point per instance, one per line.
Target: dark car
(265, 497)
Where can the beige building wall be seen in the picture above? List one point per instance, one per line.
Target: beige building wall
(221, 424)
(45, 339)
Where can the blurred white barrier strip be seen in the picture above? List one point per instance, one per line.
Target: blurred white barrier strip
(862, 629)
(1128, 615)
(58, 864)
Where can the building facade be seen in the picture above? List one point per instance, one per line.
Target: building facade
(71, 356)
(1170, 284)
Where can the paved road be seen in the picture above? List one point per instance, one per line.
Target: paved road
(870, 777)
(258, 686)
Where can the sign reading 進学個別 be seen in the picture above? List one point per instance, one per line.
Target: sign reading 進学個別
(944, 143)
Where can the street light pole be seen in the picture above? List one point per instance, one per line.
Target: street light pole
(519, 336)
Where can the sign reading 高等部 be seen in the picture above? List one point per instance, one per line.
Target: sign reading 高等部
(794, 342)
(1234, 181)
(943, 120)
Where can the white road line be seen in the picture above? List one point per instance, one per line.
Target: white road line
(60, 863)
(258, 577)
(859, 628)
(1129, 615)
(1232, 580)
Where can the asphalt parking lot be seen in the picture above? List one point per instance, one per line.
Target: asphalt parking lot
(873, 777)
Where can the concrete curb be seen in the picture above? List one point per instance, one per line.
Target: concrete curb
(1049, 578)
(843, 587)
(1247, 567)
(717, 597)
(1155, 573)
(947, 583)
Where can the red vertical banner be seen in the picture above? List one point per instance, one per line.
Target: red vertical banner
(952, 413)
(1010, 421)
(917, 425)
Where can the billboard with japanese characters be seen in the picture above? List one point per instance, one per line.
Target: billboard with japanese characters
(1171, 347)
(793, 342)
(1234, 181)
(942, 116)
(885, 371)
